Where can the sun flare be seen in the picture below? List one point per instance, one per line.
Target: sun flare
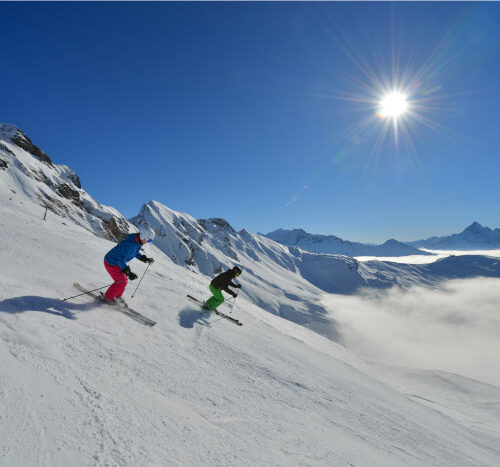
(393, 105)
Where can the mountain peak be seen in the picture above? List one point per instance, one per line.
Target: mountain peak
(476, 228)
(20, 139)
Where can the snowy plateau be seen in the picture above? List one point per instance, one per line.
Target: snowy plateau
(84, 385)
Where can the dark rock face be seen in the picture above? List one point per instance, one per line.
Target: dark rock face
(3, 164)
(6, 149)
(23, 141)
(116, 233)
(75, 179)
(69, 193)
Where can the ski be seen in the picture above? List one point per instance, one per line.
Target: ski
(120, 306)
(218, 313)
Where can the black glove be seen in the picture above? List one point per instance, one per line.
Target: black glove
(145, 259)
(126, 270)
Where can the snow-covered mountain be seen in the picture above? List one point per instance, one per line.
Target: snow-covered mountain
(27, 173)
(287, 280)
(474, 237)
(334, 245)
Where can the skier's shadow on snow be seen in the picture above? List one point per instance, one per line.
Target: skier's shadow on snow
(188, 317)
(52, 306)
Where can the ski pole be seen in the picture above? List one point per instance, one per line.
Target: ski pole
(149, 264)
(90, 291)
(232, 308)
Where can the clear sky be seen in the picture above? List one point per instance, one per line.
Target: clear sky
(267, 114)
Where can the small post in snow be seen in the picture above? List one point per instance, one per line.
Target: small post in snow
(45, 215)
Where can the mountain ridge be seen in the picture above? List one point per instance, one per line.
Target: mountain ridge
(331, 244)
(473, 237)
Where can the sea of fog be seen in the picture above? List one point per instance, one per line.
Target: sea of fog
(454, 328)
(422, 259)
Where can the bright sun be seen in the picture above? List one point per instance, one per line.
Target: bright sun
(392, 105)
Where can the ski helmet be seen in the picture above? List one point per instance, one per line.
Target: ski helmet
(146, 233)
(236, 270)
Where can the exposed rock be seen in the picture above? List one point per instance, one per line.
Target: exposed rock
(117, 233)
(73, 195)
(3, 164)
(6, 149)
(54, 205)
(24, 142)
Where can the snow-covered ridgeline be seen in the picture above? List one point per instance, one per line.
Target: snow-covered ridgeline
(27, 174)
(331, 244)
(474, 237)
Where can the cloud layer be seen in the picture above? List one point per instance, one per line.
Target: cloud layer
(456, 328)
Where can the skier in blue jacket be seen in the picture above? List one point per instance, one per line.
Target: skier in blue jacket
(117, 258)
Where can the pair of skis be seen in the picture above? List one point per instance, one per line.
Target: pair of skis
(218, 313)
(120, 306)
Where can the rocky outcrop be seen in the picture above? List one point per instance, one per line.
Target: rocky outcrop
(55, 186)
(24, 142)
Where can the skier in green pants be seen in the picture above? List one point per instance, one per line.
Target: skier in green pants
(220, 283)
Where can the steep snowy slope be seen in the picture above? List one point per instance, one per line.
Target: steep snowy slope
(82, 385)
(28, 174)
(334, 245)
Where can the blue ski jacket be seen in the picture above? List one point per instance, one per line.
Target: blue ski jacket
(122, 253)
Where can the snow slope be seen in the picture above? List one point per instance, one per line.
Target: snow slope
(334, 245)
(83, 385)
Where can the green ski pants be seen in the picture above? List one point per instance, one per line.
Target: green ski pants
(217, 298)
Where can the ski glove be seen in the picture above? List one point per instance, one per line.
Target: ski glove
(126, 270)
(145, 259)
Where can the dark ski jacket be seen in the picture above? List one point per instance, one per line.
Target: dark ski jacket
(224, 280)
(126, 250)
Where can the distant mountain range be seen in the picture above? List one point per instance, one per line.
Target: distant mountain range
(336, 246)
(474, 237)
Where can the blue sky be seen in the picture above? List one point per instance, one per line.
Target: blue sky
(264, 113)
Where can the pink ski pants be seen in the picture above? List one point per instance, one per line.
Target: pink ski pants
(121, 280)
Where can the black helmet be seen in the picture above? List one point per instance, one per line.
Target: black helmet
(236, 270)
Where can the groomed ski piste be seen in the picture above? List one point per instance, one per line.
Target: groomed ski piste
(82, 384)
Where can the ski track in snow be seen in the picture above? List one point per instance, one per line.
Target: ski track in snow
(84, 385)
